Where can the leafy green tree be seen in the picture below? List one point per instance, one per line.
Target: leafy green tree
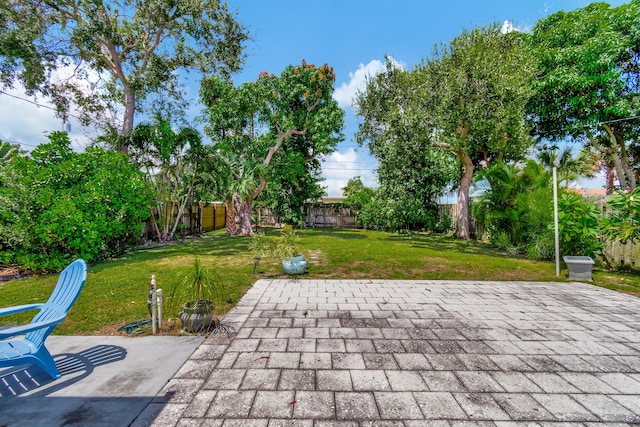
(588, 87)
(473, 101)
(62, 205)
(622, 221)
(578, 226)
(140, 45)
(292, 181)
(357, 196)
(412, 172)
(283, 123)
(570, 167)
(468, 99)
(7, 151)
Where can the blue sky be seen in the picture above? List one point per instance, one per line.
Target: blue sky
(352, 36)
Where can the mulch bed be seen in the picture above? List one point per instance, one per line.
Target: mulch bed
(12, 272)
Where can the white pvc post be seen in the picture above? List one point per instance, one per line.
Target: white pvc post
(153, 304)
(160, 299)
(555, 219)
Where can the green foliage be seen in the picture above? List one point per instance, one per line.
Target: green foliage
(392, 214)
(589, 81)
(61, 205)
(284, 246)
(357, 196)
(578, 226)
(171, 161)
(284, 124)
(467, 100)
(516, 208)
(622, 221)
(7, 151)
(444, 224)
(139, 44)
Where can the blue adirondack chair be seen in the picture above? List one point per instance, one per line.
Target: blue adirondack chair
(30, 349)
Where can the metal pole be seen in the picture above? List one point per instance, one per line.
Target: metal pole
(555, 219)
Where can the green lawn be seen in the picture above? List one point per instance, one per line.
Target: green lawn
(116, 290)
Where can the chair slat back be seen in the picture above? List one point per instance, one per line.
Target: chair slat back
(67, 290)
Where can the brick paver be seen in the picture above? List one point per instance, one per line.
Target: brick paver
(358, 353)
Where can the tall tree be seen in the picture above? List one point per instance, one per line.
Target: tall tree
(571, 168)
(474, 98)
(134, 48)
(411, 170)
(284, 122)
(468, 99)
(588, 88)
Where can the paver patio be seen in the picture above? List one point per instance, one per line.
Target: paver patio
(414, 353)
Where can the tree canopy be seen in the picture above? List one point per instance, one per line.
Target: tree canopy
(467, 99)
(275, 129)
(122, 52)
(588, 86)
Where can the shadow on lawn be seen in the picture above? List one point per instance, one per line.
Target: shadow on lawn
(446, 243)
(209, 244)
(338, 233)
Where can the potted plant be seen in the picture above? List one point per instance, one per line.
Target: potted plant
(285, 247)
(197, 289)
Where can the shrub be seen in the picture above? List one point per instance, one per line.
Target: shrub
(578, 226)
(623, 216)
(62, 205)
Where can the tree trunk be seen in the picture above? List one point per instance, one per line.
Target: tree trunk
(230, 218)
(617, 152)
(129, 111)
(463, 196)
(610, 178)
(244, 215)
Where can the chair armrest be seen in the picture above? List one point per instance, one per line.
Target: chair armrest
(19, 308)
(23, 329)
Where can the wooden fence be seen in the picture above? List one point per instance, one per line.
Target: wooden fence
(197, 218)
(321, 215)
(328, 215)
(203, 217)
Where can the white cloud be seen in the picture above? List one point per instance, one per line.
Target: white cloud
(507, 27)
(27, 120)
(340, 167)
(23, 122)
(345, 94)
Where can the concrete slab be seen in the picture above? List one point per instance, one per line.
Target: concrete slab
(106, 381)
(362, 353)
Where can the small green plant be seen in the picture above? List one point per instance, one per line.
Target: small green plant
(199, 283)
(195, 294)
(284, 246)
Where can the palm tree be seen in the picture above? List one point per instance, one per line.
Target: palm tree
(171, 161)
(571, 168)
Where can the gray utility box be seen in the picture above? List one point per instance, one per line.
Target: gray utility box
(579, 267)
